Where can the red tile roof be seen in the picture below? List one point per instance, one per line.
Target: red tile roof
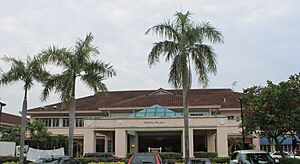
(225, 98)
(10, 119)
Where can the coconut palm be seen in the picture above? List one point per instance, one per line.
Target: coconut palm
(76, 63)
(184, 45)
(25, 71)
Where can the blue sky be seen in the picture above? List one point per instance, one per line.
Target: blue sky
(262, 39)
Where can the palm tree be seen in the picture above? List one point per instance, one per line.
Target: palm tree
(26, 72)
(76, 63)
(185, 43)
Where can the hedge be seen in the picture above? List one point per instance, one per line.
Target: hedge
(86, 160)
(201, 154)
(289, 160)
(106, 163)
(8, 159)
(220, 160)
(170, 155)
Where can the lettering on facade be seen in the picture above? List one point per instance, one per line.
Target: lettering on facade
(154, 122)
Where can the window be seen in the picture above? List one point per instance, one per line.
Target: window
(55, 122)
(46, 121)
(266, 148)
(65, 122)
(286, 148)
(79, 122)
(230, 117)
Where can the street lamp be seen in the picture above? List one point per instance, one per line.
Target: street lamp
(1, 105)
(242, 121)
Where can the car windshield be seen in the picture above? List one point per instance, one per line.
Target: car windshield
(257, 158)
(143, 159)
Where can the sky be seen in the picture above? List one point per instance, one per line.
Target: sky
(262, 40)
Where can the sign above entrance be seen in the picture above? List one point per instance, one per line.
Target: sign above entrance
(154, 122)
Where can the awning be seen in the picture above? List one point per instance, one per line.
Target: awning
(155, 111)
(287, 141)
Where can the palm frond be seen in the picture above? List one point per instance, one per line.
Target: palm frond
(166, 48)
(182, 21)
(59, 56)
(95, 82)
(207, 31)
(84, 49)
(175, 74)
(165, 29)
(99, 67)
(204, 60)
(17, 71)
(61, 84)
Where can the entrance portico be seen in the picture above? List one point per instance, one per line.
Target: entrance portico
(130, 135)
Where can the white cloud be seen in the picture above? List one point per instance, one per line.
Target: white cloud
(261, 38)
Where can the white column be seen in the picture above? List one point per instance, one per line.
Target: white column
(89, 141)
(182, 144)
(120, 143)
(211, 144)
(222, 142)
(191, 142)
(256, 143)
(105, 143)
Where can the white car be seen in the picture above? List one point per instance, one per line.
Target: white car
(252, 157)
(286, 154)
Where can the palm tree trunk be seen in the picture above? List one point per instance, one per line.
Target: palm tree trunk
(23, 128)
(185, 89)
(72, 119)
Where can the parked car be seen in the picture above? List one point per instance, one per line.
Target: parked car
(140, 158)
(286, 154)
(251, 157)
(102, 157)
(198, 161)
(57, 160)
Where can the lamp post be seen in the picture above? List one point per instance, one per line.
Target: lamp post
(242, 121)
(1, 105)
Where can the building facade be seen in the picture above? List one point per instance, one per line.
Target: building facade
(8, 120)
(122, 122)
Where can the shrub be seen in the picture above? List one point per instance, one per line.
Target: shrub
(128, 155)
(87, 160)
(8, 159)
(11, 163)
(170, 155)
(220, 160)
(201, 154)
(106, 163)
(289, 161)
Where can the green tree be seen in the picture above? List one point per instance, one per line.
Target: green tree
(184, 45)
(76, 63)
(25, 71)
(234, 144)
(38, 132)
(272, 111)
(11, 134)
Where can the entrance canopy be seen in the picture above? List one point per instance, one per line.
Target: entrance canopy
(155, 111)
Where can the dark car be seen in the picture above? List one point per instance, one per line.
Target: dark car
(198, 161)
(149, 158)
(102, 157)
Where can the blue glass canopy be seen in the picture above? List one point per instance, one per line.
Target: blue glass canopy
(155, 111)
(287, 141)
